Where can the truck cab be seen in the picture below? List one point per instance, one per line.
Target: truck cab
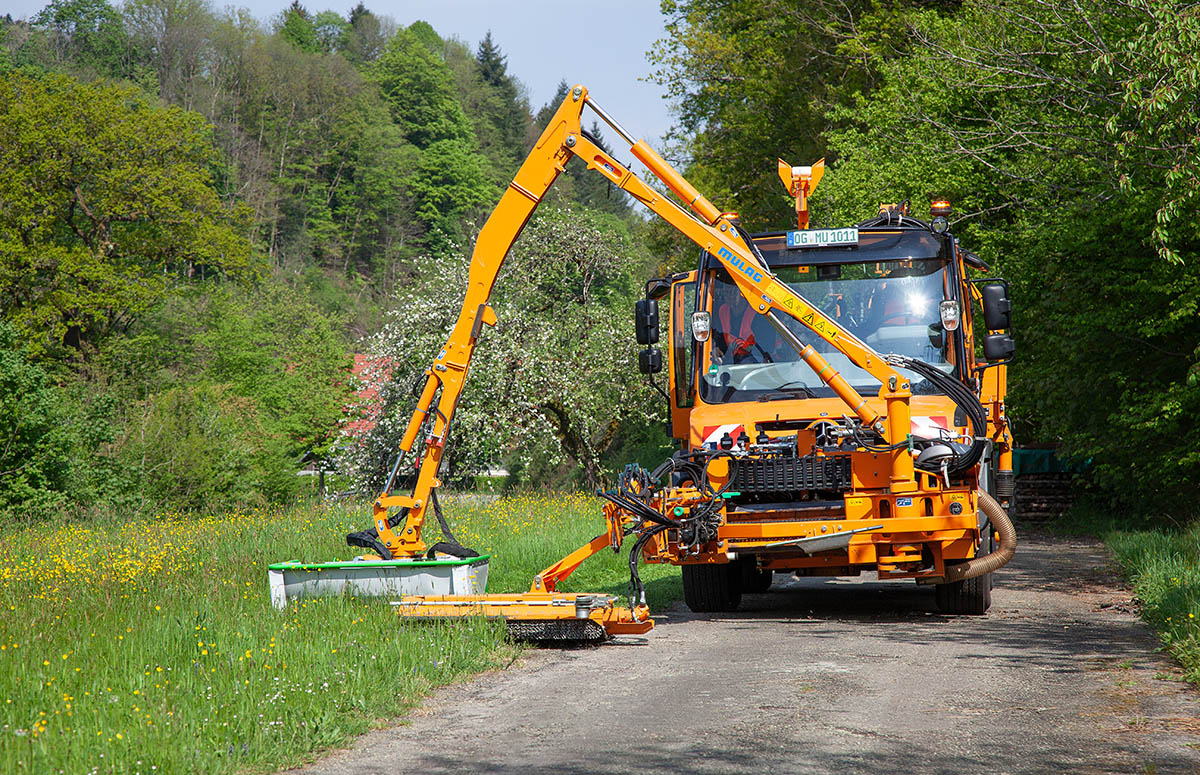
(806, 490)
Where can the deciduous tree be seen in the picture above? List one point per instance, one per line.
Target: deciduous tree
(754, 81)
(89, 33)
(1065, 143)
(106, 201)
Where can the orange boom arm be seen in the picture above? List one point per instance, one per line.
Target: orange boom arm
(705, 225)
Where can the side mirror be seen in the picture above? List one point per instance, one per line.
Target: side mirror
(658, 287)
(937, 336)
(645, 318)
(996, 307)
(650, 360)
(998, 347)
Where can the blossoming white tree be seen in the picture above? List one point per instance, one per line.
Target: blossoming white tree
(554, 381)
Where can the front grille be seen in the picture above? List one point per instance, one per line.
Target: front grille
(792, 476)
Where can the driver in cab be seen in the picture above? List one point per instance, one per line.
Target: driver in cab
(740, 335)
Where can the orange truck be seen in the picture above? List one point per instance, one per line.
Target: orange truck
(807, 486)
(837, 399)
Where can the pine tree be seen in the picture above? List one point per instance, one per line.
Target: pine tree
(493, 65)
(512, 120)
(364, 40)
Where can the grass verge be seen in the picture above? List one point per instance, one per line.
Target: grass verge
(1163, 565)
(150, 646)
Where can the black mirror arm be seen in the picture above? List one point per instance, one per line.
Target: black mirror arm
(979, 370)
(655, 385)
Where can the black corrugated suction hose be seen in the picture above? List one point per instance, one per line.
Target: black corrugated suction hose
(997, 559)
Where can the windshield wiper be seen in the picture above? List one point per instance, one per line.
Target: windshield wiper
(791, 392)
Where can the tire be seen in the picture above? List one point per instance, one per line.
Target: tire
(712, 588)
(970, 596)
(753, 579)
(987, 546)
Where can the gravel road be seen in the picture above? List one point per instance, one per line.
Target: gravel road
(832, 675)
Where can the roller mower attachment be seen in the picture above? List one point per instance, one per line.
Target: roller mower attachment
(537, 616)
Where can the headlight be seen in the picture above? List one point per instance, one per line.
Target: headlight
(701, 326)
(949, 312)
(940, 225)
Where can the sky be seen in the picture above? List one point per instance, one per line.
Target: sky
(603, 47)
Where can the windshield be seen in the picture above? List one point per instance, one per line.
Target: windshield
(890, 305)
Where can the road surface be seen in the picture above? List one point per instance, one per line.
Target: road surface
(832, 675)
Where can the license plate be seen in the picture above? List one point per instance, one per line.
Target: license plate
(822, 238)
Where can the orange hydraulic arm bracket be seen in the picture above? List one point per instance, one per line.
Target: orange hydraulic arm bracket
(548, 580)
(560, 141)
(800, 183)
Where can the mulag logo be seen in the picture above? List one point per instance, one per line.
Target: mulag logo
(740, 263)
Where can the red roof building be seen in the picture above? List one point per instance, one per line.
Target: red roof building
(372, 373)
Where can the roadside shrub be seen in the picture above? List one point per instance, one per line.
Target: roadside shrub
(203, 446)
(34, 441)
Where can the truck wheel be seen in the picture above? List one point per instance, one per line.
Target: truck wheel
(712, 588)
(753, 579)
(987, 546)
(970, 596)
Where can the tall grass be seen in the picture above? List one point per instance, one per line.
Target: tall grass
(150, 646)
(1164, 567)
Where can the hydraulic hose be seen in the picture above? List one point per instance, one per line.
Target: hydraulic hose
(997, 559)
(962, 396)
(637, 590)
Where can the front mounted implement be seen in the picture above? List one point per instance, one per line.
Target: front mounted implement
(448, 587)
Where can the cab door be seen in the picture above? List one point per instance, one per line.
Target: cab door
(681, 355)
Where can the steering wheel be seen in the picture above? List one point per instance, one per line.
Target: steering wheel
(748, 379)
